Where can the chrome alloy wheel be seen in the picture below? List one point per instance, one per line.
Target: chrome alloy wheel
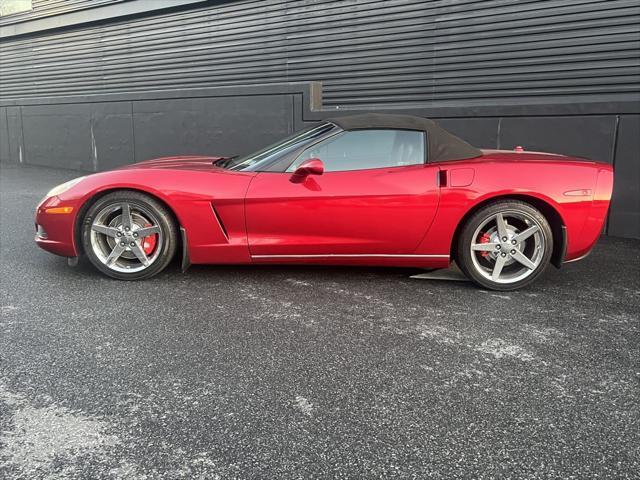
(507, 247)
(126, 238)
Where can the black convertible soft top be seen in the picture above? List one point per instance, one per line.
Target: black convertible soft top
(442, 144)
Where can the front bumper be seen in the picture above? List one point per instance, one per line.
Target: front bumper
(55, 231)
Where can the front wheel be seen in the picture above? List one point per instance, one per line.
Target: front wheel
(129, 235)
(505, 245)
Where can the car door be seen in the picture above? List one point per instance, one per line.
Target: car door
(377, 196)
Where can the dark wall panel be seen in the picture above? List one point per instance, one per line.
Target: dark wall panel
(86, 136)
(219, 125)
(624, 217)
(99, 135)
(55, 132)
(4, 136)
(112, 142)
(481, 132)
(588, 136)
(15, 141)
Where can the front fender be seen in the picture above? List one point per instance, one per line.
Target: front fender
(208, 205)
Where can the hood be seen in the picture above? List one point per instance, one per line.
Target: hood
(188, 162)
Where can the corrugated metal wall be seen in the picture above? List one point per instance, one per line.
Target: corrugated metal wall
(395, 52)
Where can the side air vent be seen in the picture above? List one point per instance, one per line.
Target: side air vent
(222, 227)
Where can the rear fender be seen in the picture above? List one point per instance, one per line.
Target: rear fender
(566, 189)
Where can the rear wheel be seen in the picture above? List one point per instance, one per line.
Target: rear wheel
(505, 245)
(129, 235)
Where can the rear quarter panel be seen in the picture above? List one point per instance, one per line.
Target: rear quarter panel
(579, 191)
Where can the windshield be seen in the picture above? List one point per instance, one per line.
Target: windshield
(263, 157)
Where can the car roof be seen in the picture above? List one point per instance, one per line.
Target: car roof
(442, 144)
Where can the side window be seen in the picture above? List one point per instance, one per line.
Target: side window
(364, 149)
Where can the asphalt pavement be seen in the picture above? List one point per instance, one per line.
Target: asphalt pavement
(310, 372)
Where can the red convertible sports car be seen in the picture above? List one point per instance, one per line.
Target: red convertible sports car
(368, 189)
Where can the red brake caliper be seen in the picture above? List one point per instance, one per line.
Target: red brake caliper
(149, 243)
(484, 238)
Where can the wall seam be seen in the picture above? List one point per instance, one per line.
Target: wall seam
(133, 134)
(23, 154)
(614, 148)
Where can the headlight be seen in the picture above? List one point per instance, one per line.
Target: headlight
(63, 187)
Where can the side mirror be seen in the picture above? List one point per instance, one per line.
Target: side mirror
(313, 166)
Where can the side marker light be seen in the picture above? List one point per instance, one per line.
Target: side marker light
(59, 210)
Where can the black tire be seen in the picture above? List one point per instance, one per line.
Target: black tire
(140, 207)
(476, 265)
